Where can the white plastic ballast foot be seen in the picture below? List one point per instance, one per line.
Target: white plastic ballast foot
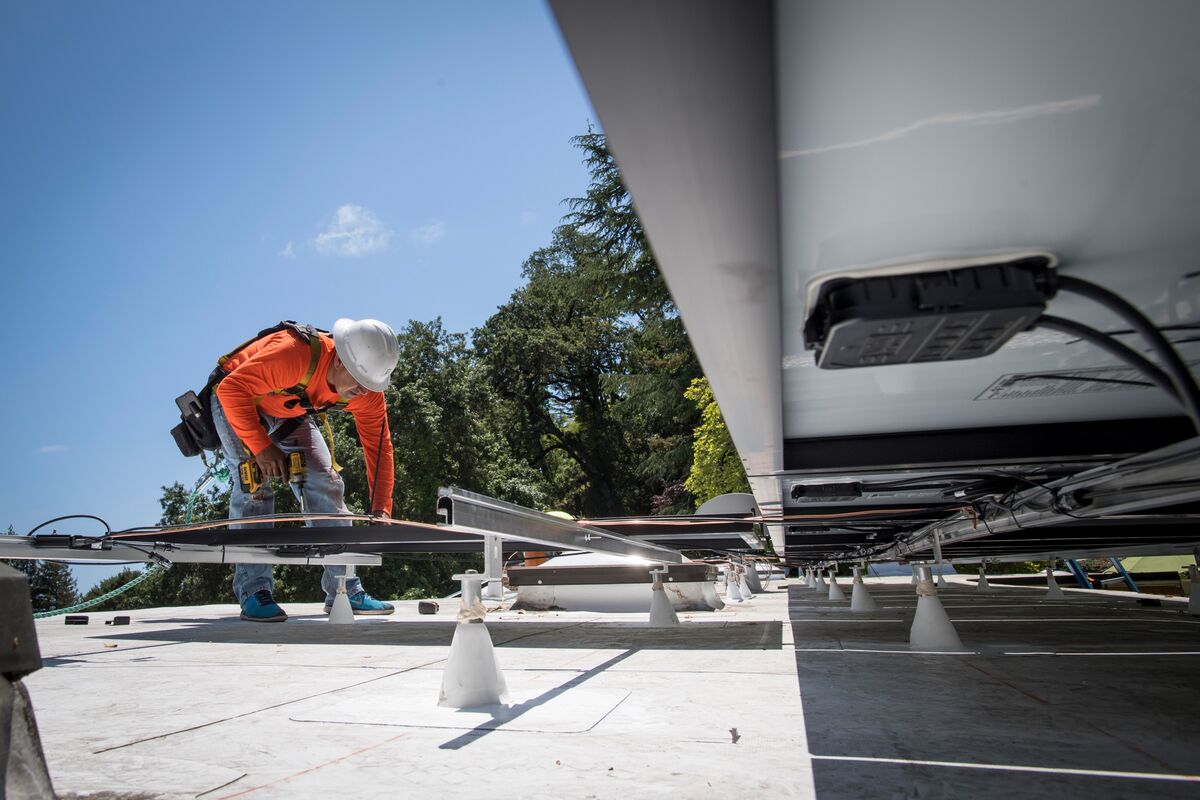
(1053, 590)
(341, 613)
(732, 593)
(931, 627)
(472, 676)
(982, 586)
(744, 585)
(860, 597)
(662, 613)
(835, 591)
(752, 579)
(710, 596)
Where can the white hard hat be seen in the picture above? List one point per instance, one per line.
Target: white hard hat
(369, 350)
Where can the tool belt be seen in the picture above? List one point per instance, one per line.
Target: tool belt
(196, 431)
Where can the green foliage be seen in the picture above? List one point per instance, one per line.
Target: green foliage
(1013, 568)
(716, 468)
(51, 585)
(591, 358)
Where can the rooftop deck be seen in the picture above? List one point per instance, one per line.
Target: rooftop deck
(786, 695)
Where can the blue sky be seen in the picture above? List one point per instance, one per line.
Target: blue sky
(177, 176)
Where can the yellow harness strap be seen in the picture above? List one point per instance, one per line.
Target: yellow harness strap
(329, 437)
(314, 344)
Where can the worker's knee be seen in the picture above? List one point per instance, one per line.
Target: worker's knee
(328, 481)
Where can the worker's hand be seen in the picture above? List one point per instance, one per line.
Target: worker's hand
(272, 462)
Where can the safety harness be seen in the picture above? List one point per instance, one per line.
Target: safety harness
(299, 391)
(197, 433)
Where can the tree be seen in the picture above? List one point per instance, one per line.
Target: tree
(716, 468)
(592, 357)
(128, 600)
(551, 351)
(660, 360)
(52, 586)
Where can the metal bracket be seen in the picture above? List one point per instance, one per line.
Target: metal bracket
(477, 513)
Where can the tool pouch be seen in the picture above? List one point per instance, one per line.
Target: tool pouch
(196, 431)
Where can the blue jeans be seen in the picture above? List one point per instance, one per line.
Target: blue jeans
(324, 493)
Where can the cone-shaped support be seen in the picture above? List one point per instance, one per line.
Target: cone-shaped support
(860, 598)
(662, 613)
(752, 579)
(835, 591)
(941, 582)
(1053, 591)
(931, 627)
(341, 613)
(810, 580)
(472, 676)
(732, 593)
(709, 588)
(820, 583)
(982, 586)
(744, 585)
(1194, 598)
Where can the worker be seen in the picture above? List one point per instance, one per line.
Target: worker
(266, 405)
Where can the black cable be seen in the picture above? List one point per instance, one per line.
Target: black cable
(1178, 327)
(1173, 364)
(1113, 348)
(107, 529)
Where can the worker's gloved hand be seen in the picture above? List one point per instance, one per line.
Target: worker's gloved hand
(272, 462)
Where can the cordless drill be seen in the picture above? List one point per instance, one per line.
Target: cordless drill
(251, 478)
(296, 474)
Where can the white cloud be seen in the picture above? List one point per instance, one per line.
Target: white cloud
(288, 252)
(429, 233)
(53, 448)
(353, 231)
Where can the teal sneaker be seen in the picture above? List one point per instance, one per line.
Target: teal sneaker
(363, 604)
(261, 607)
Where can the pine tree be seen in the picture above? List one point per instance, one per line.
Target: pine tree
(52, 586)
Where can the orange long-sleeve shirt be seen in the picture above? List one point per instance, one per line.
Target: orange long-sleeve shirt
(279, 361)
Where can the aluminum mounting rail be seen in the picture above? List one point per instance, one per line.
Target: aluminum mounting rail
(477, 513)
(1158, 479)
